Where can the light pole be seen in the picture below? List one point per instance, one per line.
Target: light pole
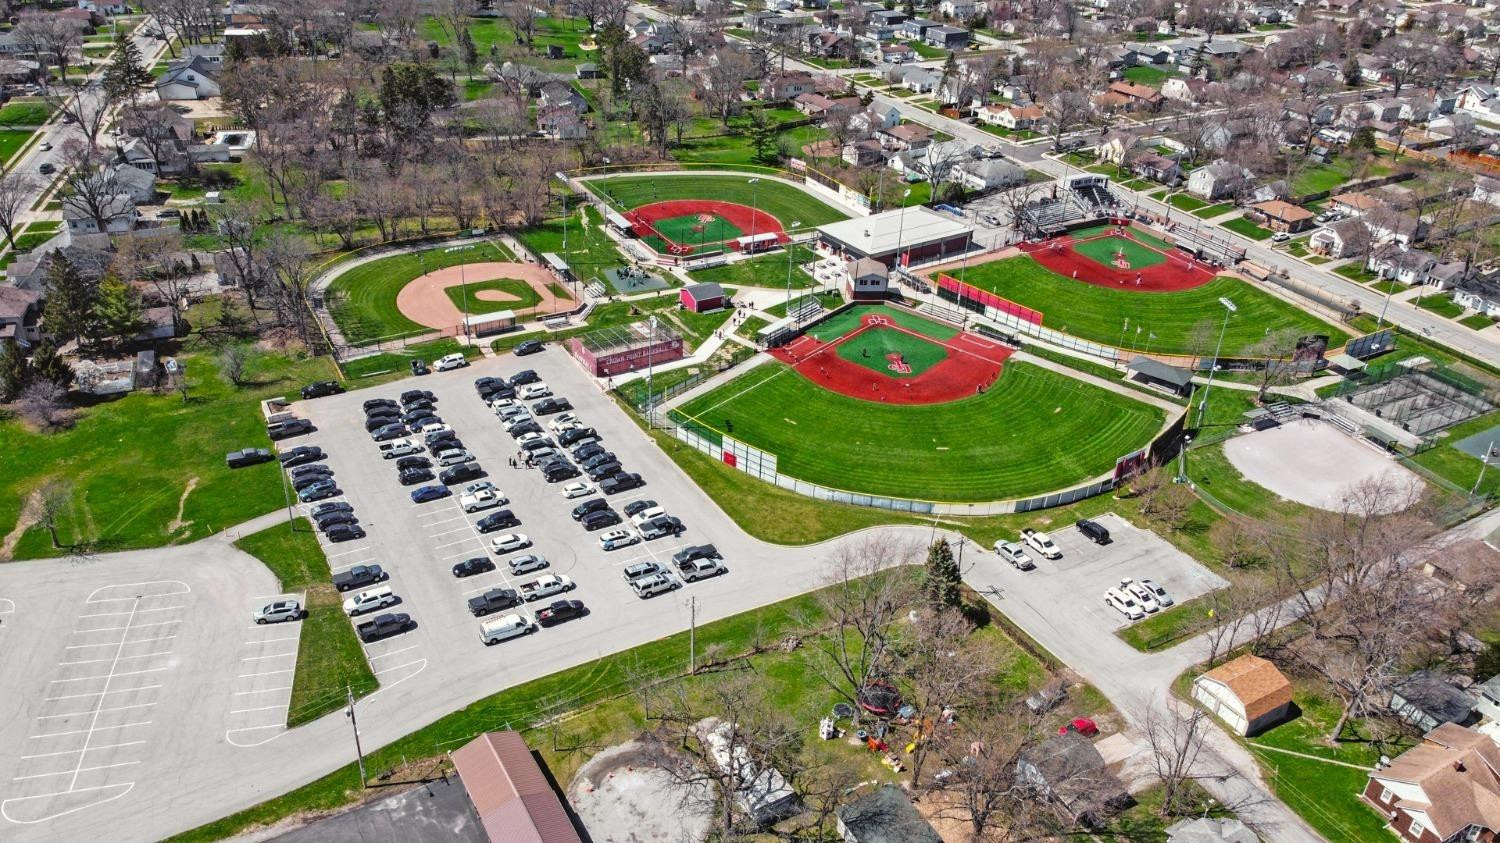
(789, 245)
(901, 227)
(1482, 466)
(650, 360)
(564, 179)
(1182, 460)
(754, 188)
(1203, 404)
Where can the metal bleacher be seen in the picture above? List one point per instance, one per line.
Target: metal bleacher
(1094, 197)
(804, 308)
(1052, 214)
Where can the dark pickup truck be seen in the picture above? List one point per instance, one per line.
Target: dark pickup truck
(382, 626)
(357, 576)
(493, 601)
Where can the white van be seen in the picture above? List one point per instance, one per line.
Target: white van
(533, 390)
(504, 628)
(369, 601)
(449, 361)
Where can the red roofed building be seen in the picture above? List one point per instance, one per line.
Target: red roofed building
(1445, 788)
(511, 794)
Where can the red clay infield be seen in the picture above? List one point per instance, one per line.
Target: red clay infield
(1179, 272)
(743, 217)
(972, 364)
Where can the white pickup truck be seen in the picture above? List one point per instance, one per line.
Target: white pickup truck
(1041, 543)
(545, 586)
(399, 448)
(481, 499)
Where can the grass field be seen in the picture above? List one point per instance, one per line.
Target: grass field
(1099, 313)
(466, 298)
(1240, 225)
(11, 141)
(364, 298)
(130, 461)
(396, 363)
(782, 201)
(589, 250)
(689, 230)
(870, 350)
(764, 271)
(25, 114)
(1035, 429)
(329, 656)
(1103, 249)
(834, 327)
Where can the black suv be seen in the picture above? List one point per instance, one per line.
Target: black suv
(597, 458)
(417, 395)
(344, 533)
(587, 450)
(470, 567)
(374, 423)
(620, 483)
(461, 472)
(528, 347)
(500, 389)
(389, 432)
(497, 520)
(577, 434)
(559, 470)
(609, 468)
(523, 377)
(600, 519)
(404, 463)
(379, 402)
(695, 552)
(590, 505)
(320, 389)
(413, 476)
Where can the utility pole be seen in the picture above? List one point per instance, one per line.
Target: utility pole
(692, 635)
(1482, 466)
(359, 753)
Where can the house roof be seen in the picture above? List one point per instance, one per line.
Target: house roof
(1358, 201)
(868, 266)
(1432, 694)
(1157, 370)
(1135, 91)
(14, 301)
(885, 816)
(1257, 683)
(1456, 770)
(1210, 830)
(909, 132)
(1282, 210)
(510, 792)
(704, 291)
(1074, 773)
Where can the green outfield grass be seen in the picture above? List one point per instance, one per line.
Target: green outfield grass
(836, 326)
(765, 271)
(686, 230)
(782, 201)
(870, 348)
(466, 298)
(1033, 431)
(1099, 313)
(1102, 251)
(363, 299)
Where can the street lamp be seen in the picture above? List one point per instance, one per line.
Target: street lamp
(1203, 404)
(564, 179)
(1182, 460)
(789, 245)
(901, 227)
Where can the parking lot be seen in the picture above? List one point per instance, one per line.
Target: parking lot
(1079, 579)
(263, 680)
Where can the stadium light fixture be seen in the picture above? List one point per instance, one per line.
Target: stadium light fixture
(1207, 388)
(1228, 304)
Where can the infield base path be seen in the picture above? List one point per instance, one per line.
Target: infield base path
(424, 302)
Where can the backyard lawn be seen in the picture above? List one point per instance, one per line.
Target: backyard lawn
(1241, 225)
(1142, 74)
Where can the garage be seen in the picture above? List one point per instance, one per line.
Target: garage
(511, 793)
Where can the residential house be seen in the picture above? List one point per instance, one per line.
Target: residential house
(1279, 215)
(10, 44)
(519, 77)
(788, 85)
(119, 213)
(587, 70)
(137, 183)
(1185, 90)
(1478, 99)
(873, 119)
(1445, 788)
(1211, 830)
(891, 53)
(885, 815)
(212, 53)
(1427, 699)
(957, 9)
(1248, 693)
(1481, 294)
(918, 79)
(1150, 53)
(1117, 146)
(1353, 204)
(1014, 117)
(915, 29)
(891, 18)
(863, 152)
(1487, 190)
(20, 315)
(1389, 225)
(1342, 239)
(1132, 97)
(561, 122)
(1157, 167)
(1070, 773)
(557, 93)
(1219, 180)
(818, 107)
(825, 42)
(947, 37)
(989, 174)
(905, 137)
(197, 79)
(158, 156)
(1347, 7)
(104, 7)
(1409, 266)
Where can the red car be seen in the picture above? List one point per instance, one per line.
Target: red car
(1082, 726)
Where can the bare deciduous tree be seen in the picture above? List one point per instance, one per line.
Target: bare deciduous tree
(45, 405)
(16, 192)
(232, 362)
(941, 665)
(54, 500)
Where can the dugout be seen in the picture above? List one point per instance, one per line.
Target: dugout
(559, 267)
(703, 298)
(905, 235)
(484, 324)
(751, 243)
(615, 351)
(1154, 373)
(619, 223)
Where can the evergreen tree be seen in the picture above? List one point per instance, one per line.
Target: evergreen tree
(13, 370)
(48, 365)
(468, 51)
(942, 578)
(127, 74)
(118, 311)
(70, 299)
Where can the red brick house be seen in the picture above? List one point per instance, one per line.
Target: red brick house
(1445, 788)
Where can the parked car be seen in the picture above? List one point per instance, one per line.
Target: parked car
(310, 481)
(429, 493)
(461, 472)
(523, 377)
(481, 384)
(545, 586)
(701, 569)
(382, 626)
(640, 569)
(344, 533)
(418, 419)
(1093, 531)
(560, 611)
(615, 539)
(357, 576)
(533, 390)
(247, 456)
(323, 490)
(1157, 593)
(413, 476)
(591, 505)
(664, 525)
(413, 462)
(527, 347)
(577, 490)
(600, 471)
(499, 390)
(470, 567)
(559, 470)
(560, 423)
(535, 440)
(417, 395)
(493, 601)
(653, 585)
(620, 483)
(326, 507)
(343, 516)
(694, 552)
(453, 456)
(1144, 597)
(588, 450)
(523, 426)
(369, 601)
(568, 437)
(399, 448)
(1015, 555)
(389, 432)
(1124, 604)
(508, 542)
(482, 499)
(300, 455)
(288, 428)
(548, 406)
(379, 402)
(497, 520)
(430, 425)
(514, 625)
(320, 389)
(599, 520)
(316, 469)
(642, 515)
(527, 562)
(596, 459)
(448, 362)
(281, 610)
(1041, 543)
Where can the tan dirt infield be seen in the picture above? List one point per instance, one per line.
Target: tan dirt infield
(424, 302)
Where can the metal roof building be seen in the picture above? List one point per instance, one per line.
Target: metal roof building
(916, 233)
(511, 794)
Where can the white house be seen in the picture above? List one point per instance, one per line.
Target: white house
(134, 182)
(1481, 294)
(960, 9)
(1487, 190)
(1341, 239)
(989, 174)
(1014, 117)
(104, 7)
(194, 80)
(1249, 694)
(119, 214)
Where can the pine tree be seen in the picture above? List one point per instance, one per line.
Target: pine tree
(70, 300)
(48, 365)
(942, 578)
(127, 74)
(117, 313)
(468, 51)
(13, 370)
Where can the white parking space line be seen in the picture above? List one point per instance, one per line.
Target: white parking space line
(271, 640)
(364, 549)
(166, 652)
(81, 749)
(276, 707)
(263, 690)
(75, 771)
(127, 612)
(131, 642)
(386, 670)
(392, 652)
(112, 708)
(89, 730)
(269, 656)
(264, 673)
(118, 628)
(107, 676)
(101, 693)
(448, 532)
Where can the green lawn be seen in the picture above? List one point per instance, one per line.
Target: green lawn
(1211, 470)
(609, 315)
(11, 141)
(1186, 202)
(764, 271)
(782, 201)
(589, 250)
(1240, 225)
(1214, 210)
(363, 299)
(1457, 467)
(1045, 429)
(396, 363)
(1144, 74)
(1442, 305)
(25, 114)
(130, 461)
(751, 327)
(1098, 313)
(329, 655)
(1477, 321)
